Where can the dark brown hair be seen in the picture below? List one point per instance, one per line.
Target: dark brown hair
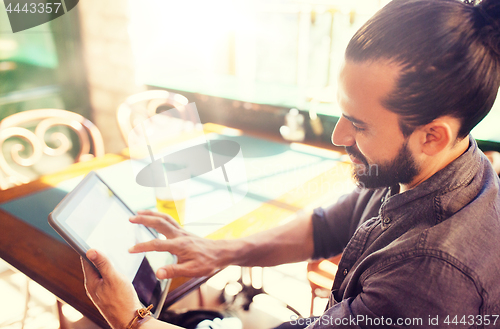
(449, 53)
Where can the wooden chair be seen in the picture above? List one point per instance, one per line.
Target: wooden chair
(320, 274)
(37, 142)
(33, 137)
(141, 106)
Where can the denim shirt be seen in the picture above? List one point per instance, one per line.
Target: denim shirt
(427, 258)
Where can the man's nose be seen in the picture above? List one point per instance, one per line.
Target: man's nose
(343, 134)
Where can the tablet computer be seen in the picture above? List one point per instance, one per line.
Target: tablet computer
(92, 216)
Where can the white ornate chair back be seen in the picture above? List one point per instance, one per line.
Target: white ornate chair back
(34, 139)
(141, 106)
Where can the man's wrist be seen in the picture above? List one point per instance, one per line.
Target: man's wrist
(141, 316)
(229, 252)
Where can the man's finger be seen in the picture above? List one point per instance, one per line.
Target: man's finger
(89, 271)
(165, 272)
(90, 276)
(101, 262)
(155, 245)
(188, 269)
(174, 270)
(152, 213)
(163, 216)
(166, 226)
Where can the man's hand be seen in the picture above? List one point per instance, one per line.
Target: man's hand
(196, 256)
(291, 242)
(112, 294)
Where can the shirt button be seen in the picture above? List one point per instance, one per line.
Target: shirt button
(387, 220)
(345, 271)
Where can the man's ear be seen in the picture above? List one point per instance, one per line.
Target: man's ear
(436, 136)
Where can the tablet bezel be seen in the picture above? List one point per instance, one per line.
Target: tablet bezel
(75, 241)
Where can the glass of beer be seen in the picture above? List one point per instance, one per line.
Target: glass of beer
(167, 202)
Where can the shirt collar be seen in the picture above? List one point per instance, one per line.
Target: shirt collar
(457, 173)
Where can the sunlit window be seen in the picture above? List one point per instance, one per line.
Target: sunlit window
(41, 67)
(284, 53)
(269, 52)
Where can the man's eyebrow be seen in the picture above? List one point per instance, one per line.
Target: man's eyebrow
(354, 120)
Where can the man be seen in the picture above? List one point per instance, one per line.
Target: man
(420, 240)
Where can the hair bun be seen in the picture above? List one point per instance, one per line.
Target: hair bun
(487, 21)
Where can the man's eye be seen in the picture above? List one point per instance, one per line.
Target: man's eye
(358, 128)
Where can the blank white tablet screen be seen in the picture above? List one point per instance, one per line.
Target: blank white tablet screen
(110, 231)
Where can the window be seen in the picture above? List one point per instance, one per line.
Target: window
(41, 67)
(274, 52)
(282, 53)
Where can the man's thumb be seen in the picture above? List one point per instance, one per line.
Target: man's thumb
(100, 261)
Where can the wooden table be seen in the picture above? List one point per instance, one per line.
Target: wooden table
(56, 266)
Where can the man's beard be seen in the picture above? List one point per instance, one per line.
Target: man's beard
(401, 170)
